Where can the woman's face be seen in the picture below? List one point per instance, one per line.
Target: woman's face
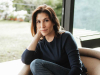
(44, 24)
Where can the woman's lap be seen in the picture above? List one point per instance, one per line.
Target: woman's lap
(42, 67)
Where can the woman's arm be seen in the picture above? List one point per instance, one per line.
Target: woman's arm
(73, 55)
(32, 52)
(33, 44)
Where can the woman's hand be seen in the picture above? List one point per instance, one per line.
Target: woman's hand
(36, 38)
(38, 34)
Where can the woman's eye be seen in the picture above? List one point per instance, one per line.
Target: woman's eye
(38, 22)
(46, 20)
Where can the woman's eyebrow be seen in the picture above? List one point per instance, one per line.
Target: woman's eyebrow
(46, 18)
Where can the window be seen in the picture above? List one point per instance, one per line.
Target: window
(86, 26)
(81, 18)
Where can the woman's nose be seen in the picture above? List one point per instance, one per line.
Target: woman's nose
(42, 25)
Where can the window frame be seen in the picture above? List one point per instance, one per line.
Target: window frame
(68, 15)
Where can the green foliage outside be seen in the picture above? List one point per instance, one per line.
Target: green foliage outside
(55, 4)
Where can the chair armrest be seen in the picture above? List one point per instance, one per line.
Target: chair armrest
(25, 70)
(89, 52)
(92, 65)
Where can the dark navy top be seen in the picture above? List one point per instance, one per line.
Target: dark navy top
(62, 50)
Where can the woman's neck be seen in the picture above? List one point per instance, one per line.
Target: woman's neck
(50, 37)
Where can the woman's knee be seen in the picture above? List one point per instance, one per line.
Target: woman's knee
(34, 64)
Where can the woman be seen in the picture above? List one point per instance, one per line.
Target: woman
(51, 52)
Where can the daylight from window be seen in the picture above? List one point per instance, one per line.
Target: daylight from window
(86, 20)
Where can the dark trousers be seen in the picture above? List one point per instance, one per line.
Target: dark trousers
(42, 67)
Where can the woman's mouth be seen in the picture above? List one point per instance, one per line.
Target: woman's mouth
(44, 30)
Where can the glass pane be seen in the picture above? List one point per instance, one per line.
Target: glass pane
(86, 27)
